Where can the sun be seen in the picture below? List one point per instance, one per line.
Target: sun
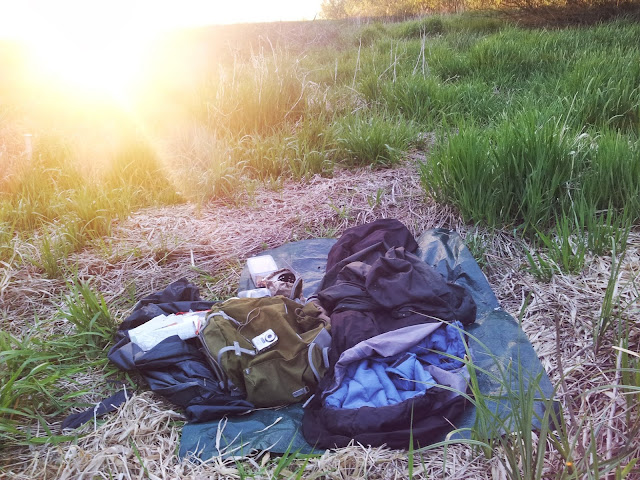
(96, 63)
(96, 48)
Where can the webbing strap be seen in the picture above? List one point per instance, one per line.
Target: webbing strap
(239, 351)
(310, 359)
(322, 341)
(235, 348)
(296, 289)
(304, 405)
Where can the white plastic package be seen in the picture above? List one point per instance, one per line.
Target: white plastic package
(151, 333)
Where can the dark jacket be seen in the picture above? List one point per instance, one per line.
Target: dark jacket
(365, 243)
(385, 288)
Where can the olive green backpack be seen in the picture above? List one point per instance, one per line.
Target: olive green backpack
(272, 350)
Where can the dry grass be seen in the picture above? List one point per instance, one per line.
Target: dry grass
(155, 247)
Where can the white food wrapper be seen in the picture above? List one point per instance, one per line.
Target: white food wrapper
(151, 333)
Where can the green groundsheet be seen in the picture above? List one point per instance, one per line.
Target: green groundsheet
(508, 369)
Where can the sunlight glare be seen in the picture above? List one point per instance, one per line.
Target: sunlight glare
(98, 47)
(90, 62)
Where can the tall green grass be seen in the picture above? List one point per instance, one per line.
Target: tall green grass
(432, 102)
(511, 174)
(605, 89)
(257, 96)
(194, 148)
(537, 175)
(6, 241)
(371, 139)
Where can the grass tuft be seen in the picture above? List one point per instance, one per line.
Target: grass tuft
(88, 312)
(376, 140)
(39, 368)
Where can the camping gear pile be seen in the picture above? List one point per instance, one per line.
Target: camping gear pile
(376, 354)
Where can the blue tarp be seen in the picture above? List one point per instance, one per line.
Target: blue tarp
(505, 360)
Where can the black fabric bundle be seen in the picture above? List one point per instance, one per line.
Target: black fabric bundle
(375, 284)
(179, 296)
(175, 368)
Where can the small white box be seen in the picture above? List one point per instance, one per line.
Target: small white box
(260, 267)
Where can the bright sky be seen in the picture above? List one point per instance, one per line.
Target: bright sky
(96, 45)
(23, 18)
